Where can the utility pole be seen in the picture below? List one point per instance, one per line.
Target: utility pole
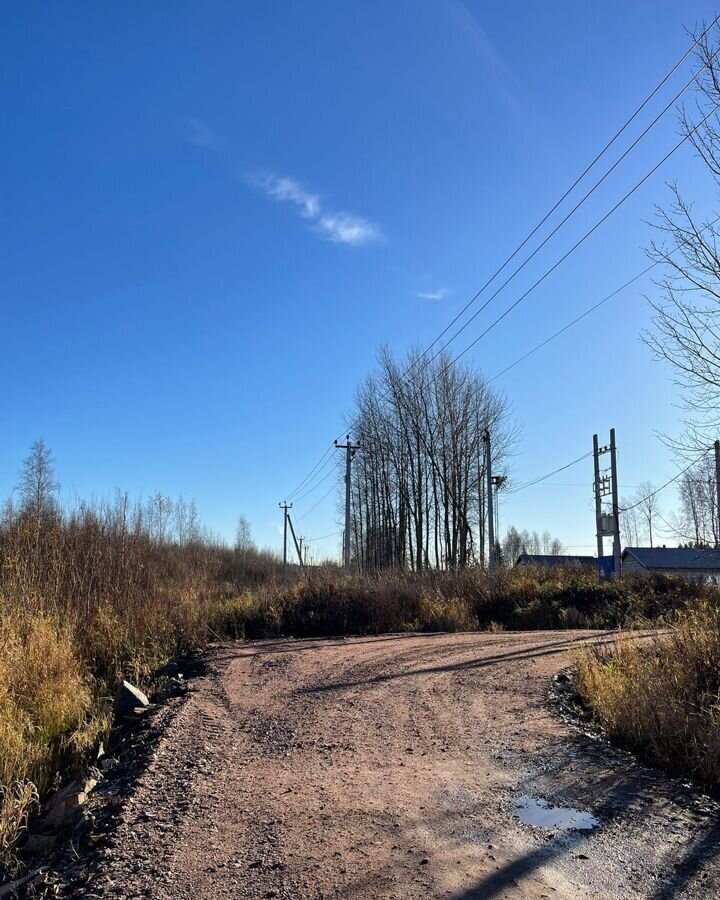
(350, 450)
(717, 493)
(598, 497)
(490, 521)
(285, 507)
(301, 541)
(295, 541)
(497, 482)
(481, 499)
(615, 506)
(606, 484)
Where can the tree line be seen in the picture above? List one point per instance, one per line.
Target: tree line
(418, 487)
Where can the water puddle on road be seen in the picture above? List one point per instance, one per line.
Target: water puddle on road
(540, 814)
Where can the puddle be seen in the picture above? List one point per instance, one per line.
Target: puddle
(540, 814)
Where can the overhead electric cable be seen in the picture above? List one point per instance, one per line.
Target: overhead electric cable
(310, 473)
(580, 177)
(528, 484)
(582, 240)
(310, 490)
(315, 505)
(667, 483)
(592, 308)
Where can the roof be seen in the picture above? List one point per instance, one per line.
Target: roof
(541, 559)
(674, 557)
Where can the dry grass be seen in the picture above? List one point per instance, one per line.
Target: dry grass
(44, 690)
(17, 802)
(662, 697)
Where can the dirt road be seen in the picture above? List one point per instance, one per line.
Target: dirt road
(393, 767)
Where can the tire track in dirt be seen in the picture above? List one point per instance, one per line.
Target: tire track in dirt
(389, 767)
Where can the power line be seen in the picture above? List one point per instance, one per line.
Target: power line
(310, 473)
(574, 322)
(592, 308)
(667, 483)
(572, 187)
(582, 240)
(323, 537)
(549, 474)
(314, 487)
(315, 505)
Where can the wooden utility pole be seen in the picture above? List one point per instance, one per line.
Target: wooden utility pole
(285, 507)
(350, 450)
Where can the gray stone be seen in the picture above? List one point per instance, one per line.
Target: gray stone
(129, 698)
(65, 804)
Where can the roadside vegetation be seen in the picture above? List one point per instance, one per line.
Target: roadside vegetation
(661, 696)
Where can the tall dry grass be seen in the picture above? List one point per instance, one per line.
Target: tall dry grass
(661, 697)
(89, 596)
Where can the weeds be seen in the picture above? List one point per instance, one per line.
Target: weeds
(661, 697)
(17, 802)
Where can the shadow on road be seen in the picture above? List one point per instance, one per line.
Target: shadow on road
(539, 650)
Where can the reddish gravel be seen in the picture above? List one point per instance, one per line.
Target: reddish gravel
(389, 767)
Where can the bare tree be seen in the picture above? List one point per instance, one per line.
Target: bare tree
(512, 545)
(243, 536)
(647, 504)
(630, 524)
(686, 332)
(697, 522)
(37, 485)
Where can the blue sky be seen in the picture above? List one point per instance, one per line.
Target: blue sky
(211, 216)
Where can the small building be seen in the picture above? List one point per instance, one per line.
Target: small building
(690, 563)
(555, 561)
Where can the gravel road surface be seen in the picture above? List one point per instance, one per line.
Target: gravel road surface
(397, 767)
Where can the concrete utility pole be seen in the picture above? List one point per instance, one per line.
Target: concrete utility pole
(617, 551)
(481, 499)
(490, 520)
(717, 492)
(285, 507)
(350, 450)
(598, 497)
(607, 485)
(295, 541)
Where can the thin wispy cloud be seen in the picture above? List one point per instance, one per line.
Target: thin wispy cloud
(439, 294)
(202, 135)
(279, 187)
(338, 227)
(345, 228)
